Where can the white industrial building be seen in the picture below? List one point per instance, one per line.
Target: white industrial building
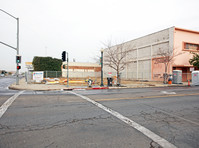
(142, 58)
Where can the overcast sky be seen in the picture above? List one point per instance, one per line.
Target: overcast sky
(48, 27)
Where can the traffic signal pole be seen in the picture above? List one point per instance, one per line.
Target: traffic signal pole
(64, 59)
(17, 78)
(67, 69)
(17, 49)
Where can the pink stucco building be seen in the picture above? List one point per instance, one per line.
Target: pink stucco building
(144, 61)
(185, 42)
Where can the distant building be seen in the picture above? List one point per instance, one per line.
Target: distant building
(29, 66)
(77, 69)
(144, 62)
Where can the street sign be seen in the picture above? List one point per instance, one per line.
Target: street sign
(38, 76)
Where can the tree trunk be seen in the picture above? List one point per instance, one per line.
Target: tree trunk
(165, 75)
(118, 78)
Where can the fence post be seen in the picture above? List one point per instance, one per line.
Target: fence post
(56, 74)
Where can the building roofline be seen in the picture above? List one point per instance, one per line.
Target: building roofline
(175, 28)
(146, 35)
(187, 30)
(84, 64)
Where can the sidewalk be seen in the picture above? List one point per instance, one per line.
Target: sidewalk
(47, 87)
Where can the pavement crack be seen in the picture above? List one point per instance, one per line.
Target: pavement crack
(10, 130)
(154, 145)
(4, 126)
(176, 118)
(49, 144)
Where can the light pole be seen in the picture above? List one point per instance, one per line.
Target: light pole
(17, 49)
(102, 50)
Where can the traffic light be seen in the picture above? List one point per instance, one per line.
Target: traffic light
(18, 67)
(18, 59)
(64, 56)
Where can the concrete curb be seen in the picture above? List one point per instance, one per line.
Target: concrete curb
(44, 87)
(100, 88)
(92, 88)
(16, 88)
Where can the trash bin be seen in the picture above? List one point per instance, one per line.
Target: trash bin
(90, 82)
(109, 81)
(170, 79)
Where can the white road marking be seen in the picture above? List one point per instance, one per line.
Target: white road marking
(5, 106)
(162, 142)
(168, 93)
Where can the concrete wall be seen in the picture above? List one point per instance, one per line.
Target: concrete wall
(81, 70)
(78, 74)
(142, 51)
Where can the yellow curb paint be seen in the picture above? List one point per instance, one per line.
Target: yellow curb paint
(145, 97)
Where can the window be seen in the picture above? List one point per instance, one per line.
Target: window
(191, 46)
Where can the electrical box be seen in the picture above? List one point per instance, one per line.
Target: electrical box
(195, 77)
(177, 76)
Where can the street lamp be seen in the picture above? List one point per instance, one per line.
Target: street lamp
(17, 49)
(102, 50)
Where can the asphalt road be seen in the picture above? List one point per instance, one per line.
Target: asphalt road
(100, 118)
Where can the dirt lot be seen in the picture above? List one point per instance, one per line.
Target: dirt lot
(97, 81)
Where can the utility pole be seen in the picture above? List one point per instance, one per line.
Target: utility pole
(102, 84)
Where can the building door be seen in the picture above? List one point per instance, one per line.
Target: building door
(184, 74)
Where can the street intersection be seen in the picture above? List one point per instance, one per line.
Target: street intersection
(139, 117)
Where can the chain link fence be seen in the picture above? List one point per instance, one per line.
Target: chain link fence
(52, 74)
(63, 75)
(97, 75)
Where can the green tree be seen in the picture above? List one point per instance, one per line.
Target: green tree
(195, 60)
(46, 64)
